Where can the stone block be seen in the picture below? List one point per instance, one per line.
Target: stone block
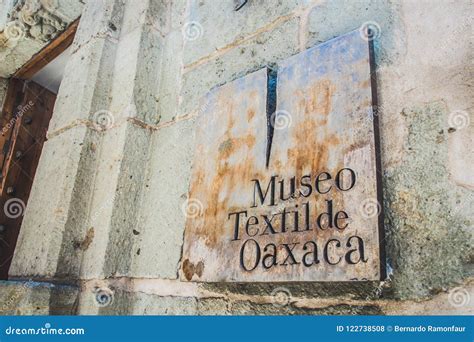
(66, 9)
(14, 57)
(110, 301)
(159, 231)
(115, 197)
(252, 308)
(428, 239)
(137, 72)
(83, 95)
(461, 153)
(177, 13)
(38, 248)
(99, 19)
(213, 306)
(171, 73)
(211, 25)
(266, 48)
(330, 19)
(34, 298)
(138, 14)
(134, 16)
(145, 304)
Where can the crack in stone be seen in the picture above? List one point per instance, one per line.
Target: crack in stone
(271, 108)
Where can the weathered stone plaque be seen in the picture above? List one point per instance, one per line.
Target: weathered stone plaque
(285, 173)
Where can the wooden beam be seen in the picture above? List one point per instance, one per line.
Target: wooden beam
(48, 53)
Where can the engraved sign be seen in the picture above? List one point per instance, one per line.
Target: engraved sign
(285, 175)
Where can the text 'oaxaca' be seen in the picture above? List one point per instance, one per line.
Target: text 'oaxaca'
(285, 182)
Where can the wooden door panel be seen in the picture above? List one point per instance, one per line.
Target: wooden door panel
(25, 123)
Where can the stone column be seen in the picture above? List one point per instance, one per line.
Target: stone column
(83, 204)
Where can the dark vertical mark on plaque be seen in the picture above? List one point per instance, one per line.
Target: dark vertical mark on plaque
(238, 4)
(271, 108)
(378, 157)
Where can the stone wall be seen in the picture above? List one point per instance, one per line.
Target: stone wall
(118, 158)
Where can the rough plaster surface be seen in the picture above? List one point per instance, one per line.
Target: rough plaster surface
(140, 64)
(429, 233)
(35, 298)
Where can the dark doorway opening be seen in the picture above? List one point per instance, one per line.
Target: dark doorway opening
(24, 122)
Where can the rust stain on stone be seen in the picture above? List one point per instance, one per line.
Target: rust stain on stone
(232, 161)
(311, 140)
(250, 114)
(189, 269)
(84, 244)
(365, 84)
(320, 97)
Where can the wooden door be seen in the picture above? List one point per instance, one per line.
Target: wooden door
(24, 123)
